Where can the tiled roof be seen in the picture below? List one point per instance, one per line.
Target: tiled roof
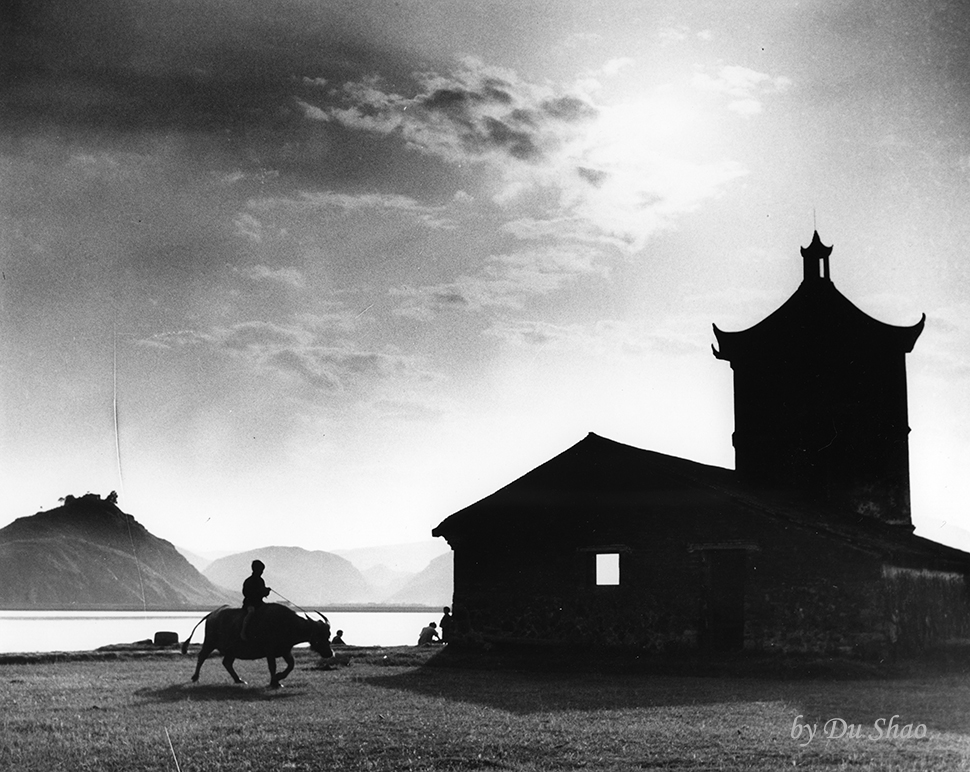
(601, 470)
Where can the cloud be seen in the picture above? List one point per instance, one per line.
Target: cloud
(685, 330)
(745, 107)
(174, 340)
(505, 281)
(475, 114)
(303, 353)
(615, 174)
(259, 336)
(677, 34)
(222, 77)
(617, 192)
(306, 366)
(608, 174)
(944, 346)
(745, 86)
(248, 227)
(428, 215)
(613, 66)
(605, 339)
(672, 35)
(566, 228)
(396, 409)
(288, 276)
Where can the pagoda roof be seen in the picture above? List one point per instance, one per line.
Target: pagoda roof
(817, 313)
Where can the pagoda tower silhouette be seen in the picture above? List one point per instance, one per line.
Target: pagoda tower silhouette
(820, 403)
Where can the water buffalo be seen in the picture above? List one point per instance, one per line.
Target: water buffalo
(272, 632)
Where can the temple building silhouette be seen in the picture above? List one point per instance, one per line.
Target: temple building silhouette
(820, 398)
(806, 546)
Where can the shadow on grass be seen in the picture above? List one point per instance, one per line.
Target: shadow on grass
(201, 692)
(522, 692)
(819, 691)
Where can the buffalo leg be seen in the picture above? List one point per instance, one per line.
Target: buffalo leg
(288, 658)
(227, 664)
(274, 681)
(204, 653)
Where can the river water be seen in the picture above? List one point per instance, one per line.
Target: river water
(44, 631)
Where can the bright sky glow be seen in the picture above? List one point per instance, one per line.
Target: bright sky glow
(354, 265)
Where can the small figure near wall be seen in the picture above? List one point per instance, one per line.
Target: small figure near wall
(428, 635)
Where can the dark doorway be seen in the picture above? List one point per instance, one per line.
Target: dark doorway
(722, 600)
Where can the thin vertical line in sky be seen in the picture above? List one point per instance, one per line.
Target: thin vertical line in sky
(114, 402)
(121, 477)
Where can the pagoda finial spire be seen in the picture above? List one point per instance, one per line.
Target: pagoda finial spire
(814, 254)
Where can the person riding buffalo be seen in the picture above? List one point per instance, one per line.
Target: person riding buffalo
(254, 590)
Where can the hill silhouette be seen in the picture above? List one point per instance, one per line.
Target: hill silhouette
(88, 553)
(302, 576)
(385, 581)
(410, 558)
(430, 587)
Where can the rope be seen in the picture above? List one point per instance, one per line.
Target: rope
(293, 604)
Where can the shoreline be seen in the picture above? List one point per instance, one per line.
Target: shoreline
(145, 649)
(341, 607)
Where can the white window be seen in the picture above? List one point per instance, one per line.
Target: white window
(607, 568)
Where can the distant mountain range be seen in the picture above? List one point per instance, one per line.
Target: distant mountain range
(407, 558)
(430, 587)
(87, 553)
(316, 578)
(301, 576)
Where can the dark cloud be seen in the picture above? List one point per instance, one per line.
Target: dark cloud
(524, 117)
(498, 90)
(505, 281)
(450, 299)
(194, 66)
(466, 114)
(594, 177)
(519, 144)
(301, 352)
(297, 363)
(448, 99)
(569, 108)
(223, 82)
(250, 335)
(362, 363)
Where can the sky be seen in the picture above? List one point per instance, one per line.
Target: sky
(322, 272)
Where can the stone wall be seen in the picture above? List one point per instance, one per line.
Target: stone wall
(804, 591)
(802, 595)
(924, 608)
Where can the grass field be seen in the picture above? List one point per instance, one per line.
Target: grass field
(387, 710)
